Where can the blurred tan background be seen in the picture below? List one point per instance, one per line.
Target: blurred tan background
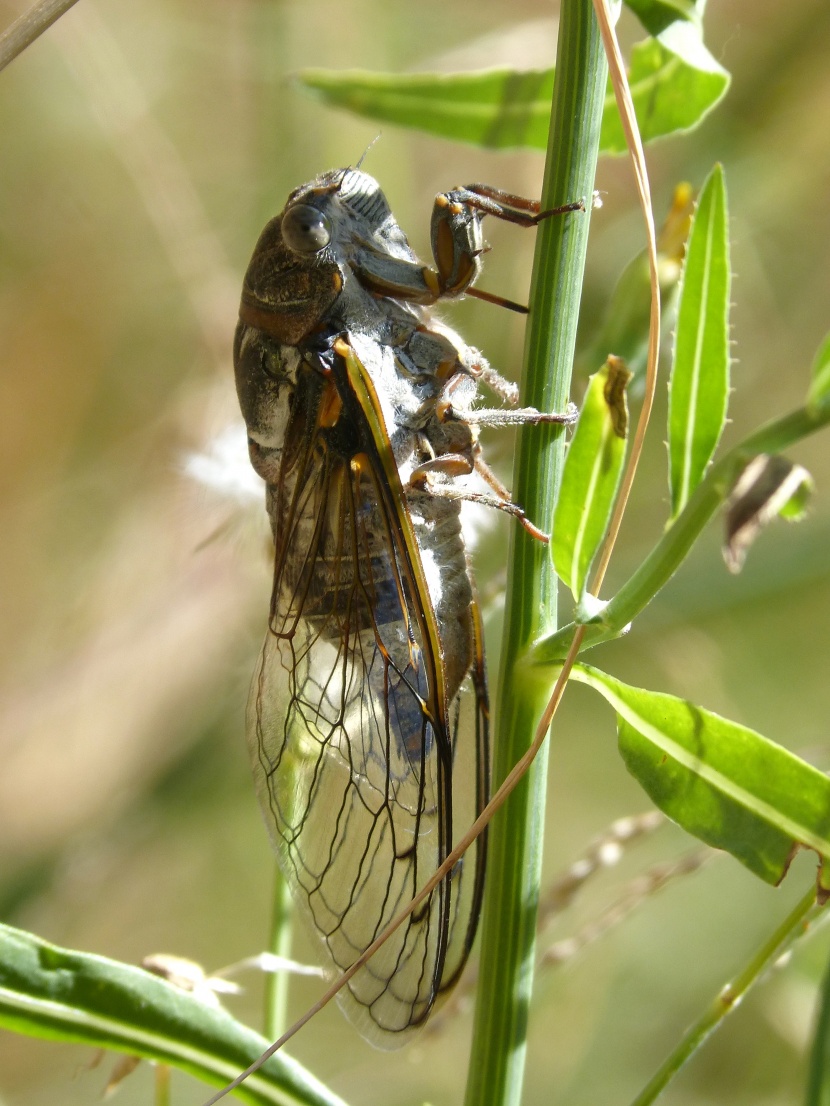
(143, 146)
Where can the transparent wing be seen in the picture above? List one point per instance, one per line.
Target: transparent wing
(352, 746)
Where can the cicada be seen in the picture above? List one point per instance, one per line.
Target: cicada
(367, 718)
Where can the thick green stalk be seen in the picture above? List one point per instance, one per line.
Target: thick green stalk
(508, 941)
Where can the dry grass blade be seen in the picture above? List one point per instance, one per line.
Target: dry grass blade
(625, 104)
(640, 889)
(29, 27)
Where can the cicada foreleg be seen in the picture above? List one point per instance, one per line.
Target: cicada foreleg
(457, 246)
(457, 240)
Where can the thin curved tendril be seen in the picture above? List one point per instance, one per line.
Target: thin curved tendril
(635, 148)
(626, 109)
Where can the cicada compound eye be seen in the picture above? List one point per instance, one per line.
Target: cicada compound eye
(305, 229)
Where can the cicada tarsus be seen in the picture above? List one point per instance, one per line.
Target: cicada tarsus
(367, 719)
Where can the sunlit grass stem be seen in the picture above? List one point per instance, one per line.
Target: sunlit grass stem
(508, 941)
(277, 983)
(793, 926)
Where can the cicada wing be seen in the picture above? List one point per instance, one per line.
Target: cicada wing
(351, 745)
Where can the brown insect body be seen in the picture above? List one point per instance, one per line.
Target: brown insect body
(369, 754)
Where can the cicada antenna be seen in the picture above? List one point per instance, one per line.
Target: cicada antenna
(368, 148)
(360, 160)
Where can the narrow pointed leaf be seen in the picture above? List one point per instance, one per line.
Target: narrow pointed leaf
(625, 325)
(699, 386)
(46, 991)
(510, 108)
(722, 782)
(592, 475)
(819, 392)
(496, 108)
(768, 487)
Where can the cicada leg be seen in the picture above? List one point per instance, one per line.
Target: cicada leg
(447, 411)
(518, 416)
(437, 472)
(457, 246)
(450, 465)
(457, 240)
(502, 494)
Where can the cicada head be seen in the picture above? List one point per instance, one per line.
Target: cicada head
(343, 195)
(332, 230)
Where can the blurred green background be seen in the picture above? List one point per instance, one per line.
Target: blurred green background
(143, 147)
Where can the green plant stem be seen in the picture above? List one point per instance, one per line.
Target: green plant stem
(30, 26)
(793, 926)
(161, 1088)
(672, 549)
(276, 983)
(508, 942)
(818, 1077)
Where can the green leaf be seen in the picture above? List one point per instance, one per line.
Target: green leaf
(657, 15)
(509, 108)
(797, 496)
(678, 26)
(671, 92)
(46, 991)
(592, 475)
(819, 392)
(699, 385)
(722, 782)
(496, 108)
(625, 326)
